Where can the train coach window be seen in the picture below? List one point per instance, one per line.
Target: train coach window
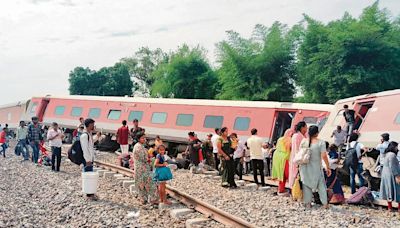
(241, 123)
(135, 115)
(94, 113)
(397, 120)
(59, 111)
(76, 111)
(159, 117)
(310, 120)
(213, 121)
(114, 115)
(184, 120)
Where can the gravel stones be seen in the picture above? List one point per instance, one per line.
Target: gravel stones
(32, 196)
(264, 209)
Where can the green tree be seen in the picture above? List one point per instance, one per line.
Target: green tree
(108, 81)
(349, 57)
(142, 64)
(259, 68)
(187, 74)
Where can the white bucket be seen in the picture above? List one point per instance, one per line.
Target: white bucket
(89, 182)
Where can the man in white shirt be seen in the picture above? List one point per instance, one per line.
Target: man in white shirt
(339, 137)
(214, 140)
(257, 160)
(359, 147)
(22, 138)
(87, 145)
(55, 136)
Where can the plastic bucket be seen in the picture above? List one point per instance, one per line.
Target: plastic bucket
(89, 182)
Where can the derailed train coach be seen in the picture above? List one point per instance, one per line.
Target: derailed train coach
(11, 114)
(171, 119)
(381, 114)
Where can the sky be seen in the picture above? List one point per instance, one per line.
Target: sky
(41, 41)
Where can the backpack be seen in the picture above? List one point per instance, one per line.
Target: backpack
(351, 159)
(362, 196)
(75, 153)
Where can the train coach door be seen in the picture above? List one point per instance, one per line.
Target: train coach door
(362, 109)
(283, 121)
(42, 109)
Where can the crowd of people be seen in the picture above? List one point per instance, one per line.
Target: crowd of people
(231, 156)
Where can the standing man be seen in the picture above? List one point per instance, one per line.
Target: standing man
(350, 117)
(81, 121)
(214, 141)
(55, 136)
(22, 138)
(339, 137)
(35, 136)
(207, 149)
(358, 169)
(122, 138)
(257, 160)
(136, 131)
(87, 145)
(3, 141)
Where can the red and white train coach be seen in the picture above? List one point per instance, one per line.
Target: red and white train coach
(380, 112)
(11, 114)
(172, 119)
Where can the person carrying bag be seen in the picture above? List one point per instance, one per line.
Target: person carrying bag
(297, 189)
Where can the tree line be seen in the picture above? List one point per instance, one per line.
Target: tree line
(308, 62)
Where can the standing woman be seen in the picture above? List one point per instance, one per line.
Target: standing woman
(390, 178)
(228, 165)
(145, 187)
(312, 176)
(193, 149)
(280, 160)
(298, 136)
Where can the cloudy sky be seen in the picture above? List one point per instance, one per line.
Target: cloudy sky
(42, 40)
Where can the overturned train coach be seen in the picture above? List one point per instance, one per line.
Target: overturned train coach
(381, 114)
(171, 119)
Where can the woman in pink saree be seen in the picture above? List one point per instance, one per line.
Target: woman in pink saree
(301, 130)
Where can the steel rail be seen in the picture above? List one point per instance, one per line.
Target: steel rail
(115, 168)
(208, 210)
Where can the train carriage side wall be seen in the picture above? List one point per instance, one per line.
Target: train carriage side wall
(383, 115)
(171, 121)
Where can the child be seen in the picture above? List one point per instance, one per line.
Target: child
(333, 182)
(247, 159)
(162, 173)
(267, 158)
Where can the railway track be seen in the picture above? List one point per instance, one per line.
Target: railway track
(273, 183)
(206, 209)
